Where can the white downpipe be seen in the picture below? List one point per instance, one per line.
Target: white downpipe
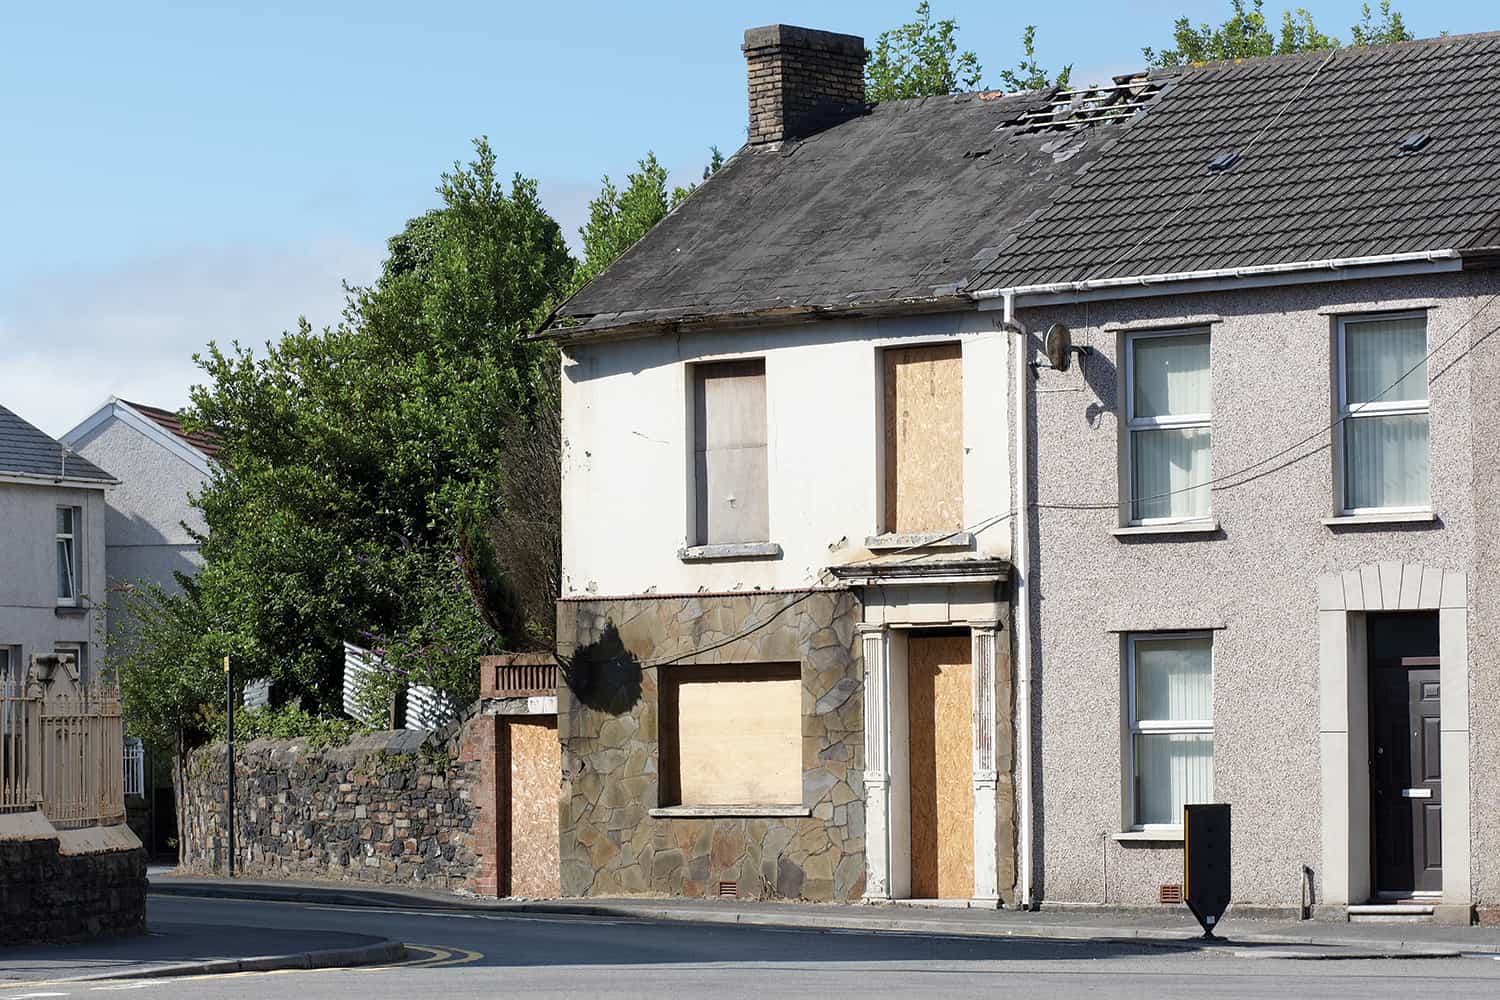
(1021, 577)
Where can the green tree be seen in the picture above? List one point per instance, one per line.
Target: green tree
(919, 59)
(1029, 74)
(363, 468)
(1246, 34)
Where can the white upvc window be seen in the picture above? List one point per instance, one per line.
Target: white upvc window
(1168, 420)
(1170, 690)
(1382, 439)
(68, 519)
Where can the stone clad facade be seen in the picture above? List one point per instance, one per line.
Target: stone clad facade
(617, 838)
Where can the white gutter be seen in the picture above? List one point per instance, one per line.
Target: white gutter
(34, 479)
(1330, 269)
(1021, 575)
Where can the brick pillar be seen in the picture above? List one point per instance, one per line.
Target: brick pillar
(482, 743)
(801, 81)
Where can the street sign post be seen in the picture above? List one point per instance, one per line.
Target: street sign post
(1205, 863)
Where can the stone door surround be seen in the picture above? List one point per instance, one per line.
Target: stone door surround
(1343, 714)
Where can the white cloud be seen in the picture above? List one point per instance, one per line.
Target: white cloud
(67, 343)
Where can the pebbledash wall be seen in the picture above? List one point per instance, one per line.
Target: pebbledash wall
(1266, 584)
(616, 838)
(388, 807)
(62, 885)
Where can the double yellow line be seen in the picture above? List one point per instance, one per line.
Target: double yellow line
(437, 958)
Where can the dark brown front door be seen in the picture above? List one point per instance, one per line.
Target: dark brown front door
(1406, 775)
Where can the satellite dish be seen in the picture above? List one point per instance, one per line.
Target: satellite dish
(1059, 347)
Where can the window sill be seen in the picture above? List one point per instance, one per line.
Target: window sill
(920, 540)
(1165, 835)
(1205, 526)
(732, 550)
(70, 611)
(1394, 517)
(711, 812)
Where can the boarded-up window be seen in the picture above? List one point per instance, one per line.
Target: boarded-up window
(729, 451)
(732, 735)
(924, 457)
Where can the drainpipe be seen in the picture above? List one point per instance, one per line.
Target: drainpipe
(1021, 581)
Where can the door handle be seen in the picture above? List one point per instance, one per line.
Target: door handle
(1416, 793)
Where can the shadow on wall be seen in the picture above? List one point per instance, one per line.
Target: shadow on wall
(604, 675)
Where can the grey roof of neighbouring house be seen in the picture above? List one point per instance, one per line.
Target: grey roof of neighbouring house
(1319, 177)
(27, 451)
(918, 202)
(889, 206)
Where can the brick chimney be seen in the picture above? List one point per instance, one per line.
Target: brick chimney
(802, 81)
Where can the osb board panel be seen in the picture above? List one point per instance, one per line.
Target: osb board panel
(535, 769)
(738, 735)
(924, 458)
(940, 704)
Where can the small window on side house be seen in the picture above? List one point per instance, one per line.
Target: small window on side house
(924, 440)
(731, 735)
(1168, 419)
(1382, 395)
(729, 452)
(67, 555)
(1170, 691)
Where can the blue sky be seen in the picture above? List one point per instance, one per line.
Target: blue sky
(179, 172)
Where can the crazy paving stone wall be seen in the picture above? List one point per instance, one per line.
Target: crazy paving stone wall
(608, 726)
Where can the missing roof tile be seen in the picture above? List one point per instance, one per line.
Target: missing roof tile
(1074, 110)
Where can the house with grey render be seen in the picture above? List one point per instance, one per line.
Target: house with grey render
(954, 489)
(51, 551)
(159, 464)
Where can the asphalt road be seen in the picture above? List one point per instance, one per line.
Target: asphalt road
(459, 955)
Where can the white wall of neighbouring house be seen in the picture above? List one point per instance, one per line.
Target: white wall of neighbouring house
(627, 494)
(146, 513)
(30, 621)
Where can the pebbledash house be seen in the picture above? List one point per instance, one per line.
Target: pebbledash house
(955, 488)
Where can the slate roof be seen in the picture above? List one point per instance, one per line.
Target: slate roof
(921, 201)
(1319, 175)
(26, 451)
(206, 442)
(890, 206)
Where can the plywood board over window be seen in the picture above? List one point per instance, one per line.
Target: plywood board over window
(729, 452)
(732, 735)
(924, 456)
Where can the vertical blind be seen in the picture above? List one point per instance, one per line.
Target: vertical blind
(1170, 440)
(1172, 724)
(1386, 420)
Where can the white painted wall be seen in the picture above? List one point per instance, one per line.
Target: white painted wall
(627, 450)
(28, 569)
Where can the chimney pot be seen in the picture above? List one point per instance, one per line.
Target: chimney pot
(801, 81)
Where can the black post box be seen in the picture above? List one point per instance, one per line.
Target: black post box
(1205, 862)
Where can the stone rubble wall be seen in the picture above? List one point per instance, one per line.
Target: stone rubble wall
(608, 727)
(393, 807)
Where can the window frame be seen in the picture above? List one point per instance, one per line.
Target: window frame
(1345, 412)
(697, 527)
(80, 653)
(1134, 726)
(1133, 423)
(74, 539)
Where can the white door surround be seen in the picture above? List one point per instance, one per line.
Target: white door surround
(1343, 713)
(887, 773)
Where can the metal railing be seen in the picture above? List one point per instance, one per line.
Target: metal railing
(135, 766)
(61, 749)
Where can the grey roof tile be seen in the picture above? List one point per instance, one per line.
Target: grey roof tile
(26, 451)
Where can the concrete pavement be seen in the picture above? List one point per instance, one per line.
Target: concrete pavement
(1171, 926)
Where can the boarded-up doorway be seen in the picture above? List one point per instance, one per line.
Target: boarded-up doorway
(939, 725)
(531, 823)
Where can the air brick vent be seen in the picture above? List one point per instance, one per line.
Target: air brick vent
(1169, 894)
(729, 890)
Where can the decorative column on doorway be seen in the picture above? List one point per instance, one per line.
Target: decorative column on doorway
(984, 635)
(877, 763)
